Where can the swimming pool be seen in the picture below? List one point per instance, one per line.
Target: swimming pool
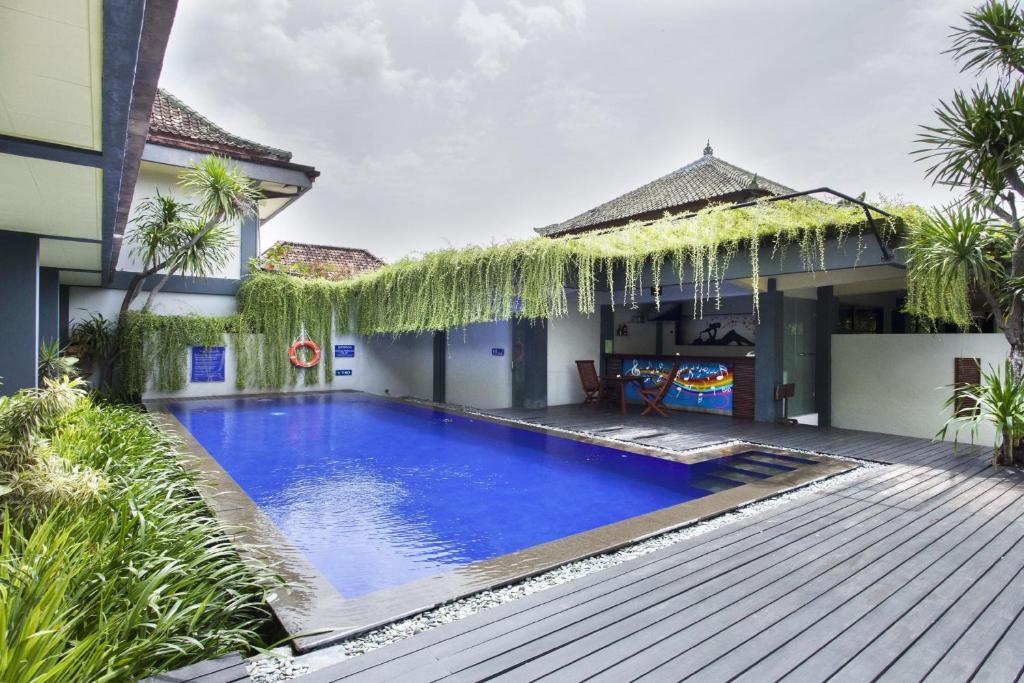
(380, 494)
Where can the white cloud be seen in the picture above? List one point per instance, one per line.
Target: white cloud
(339, 47)
(492, 35)
(575, 9)
(538, 18)
(473, 120)
(498, 35)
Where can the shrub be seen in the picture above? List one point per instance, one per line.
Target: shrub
(134, 579)
(998, 401)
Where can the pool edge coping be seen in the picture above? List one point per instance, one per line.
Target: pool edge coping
(316, 615)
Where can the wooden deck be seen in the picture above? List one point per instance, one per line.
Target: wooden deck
(226, 669)
(910, 572)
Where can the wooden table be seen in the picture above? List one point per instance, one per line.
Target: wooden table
(623, 381)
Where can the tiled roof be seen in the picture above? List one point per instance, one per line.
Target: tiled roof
(697, 184)
(175, 123)
(346, 261)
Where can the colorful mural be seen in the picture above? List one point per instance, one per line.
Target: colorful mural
(701, 385)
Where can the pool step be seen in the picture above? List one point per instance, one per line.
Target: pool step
(715, 483)
(778, 459)
(768, 468)
(746, 476)
(746, 468)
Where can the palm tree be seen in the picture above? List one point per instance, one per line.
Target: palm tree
(975, 247)
(193, 239)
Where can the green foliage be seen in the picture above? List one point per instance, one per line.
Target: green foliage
(998, 401)
(948, 252)
(158, 228)
(979, 137)
(54, 363)
(154, 348)
(222, 192)
(94, 341)
(195, 239)
(973, 252)
(32, 474)
(992, 38)
(137, 579)
(204, 248)
(276, 309)
(459, 287)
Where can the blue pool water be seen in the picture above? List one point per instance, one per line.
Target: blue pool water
(378, 493)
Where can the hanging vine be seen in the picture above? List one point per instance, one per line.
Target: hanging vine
(154, 348)
(454, 288)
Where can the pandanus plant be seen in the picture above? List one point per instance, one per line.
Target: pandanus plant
(971, 254)
(999, 402)
(175, 237)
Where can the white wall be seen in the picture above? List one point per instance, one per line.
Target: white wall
(397, 366)
(474, 376)
(642, 337)
(898, 383)
(158, 177)
(85, 300)
(574, 337)
(383, 365)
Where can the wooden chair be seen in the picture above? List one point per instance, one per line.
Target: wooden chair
(610, 380)
(654, 397)
(590, 382)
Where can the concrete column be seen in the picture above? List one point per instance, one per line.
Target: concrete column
(49, 305)
(65, 315)
(19, 311)
(440, 364)
(768, 359)
(607, 334)
(827, 319)
(529, 364)
(249, 241)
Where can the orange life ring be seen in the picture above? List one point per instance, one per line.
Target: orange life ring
(294, 357)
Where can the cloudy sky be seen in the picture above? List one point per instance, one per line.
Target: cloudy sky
(470, 121)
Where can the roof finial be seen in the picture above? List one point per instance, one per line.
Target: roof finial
(707, 149)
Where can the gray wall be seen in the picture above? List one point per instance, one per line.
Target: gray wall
(49, 304)
(19, 311)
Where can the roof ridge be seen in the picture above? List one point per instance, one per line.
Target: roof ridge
(702, 180)
(321, 246)
(239, 140)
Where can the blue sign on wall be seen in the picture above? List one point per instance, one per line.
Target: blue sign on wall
(344, 351)
(497, 351)
(207, 364)
(342, 373)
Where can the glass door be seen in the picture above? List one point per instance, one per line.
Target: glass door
(798, 343)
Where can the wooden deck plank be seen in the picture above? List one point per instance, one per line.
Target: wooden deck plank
(814, 636)
(926, 631)
(703, 623)
(1002, 659)
(891, 550)
(969, 652)
(227, 669)
(781, 643)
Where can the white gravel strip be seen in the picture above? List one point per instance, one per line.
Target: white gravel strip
(281, 666)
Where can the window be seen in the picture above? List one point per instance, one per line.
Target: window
(861, 320)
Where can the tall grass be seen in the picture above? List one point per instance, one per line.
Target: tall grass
(135, 579)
